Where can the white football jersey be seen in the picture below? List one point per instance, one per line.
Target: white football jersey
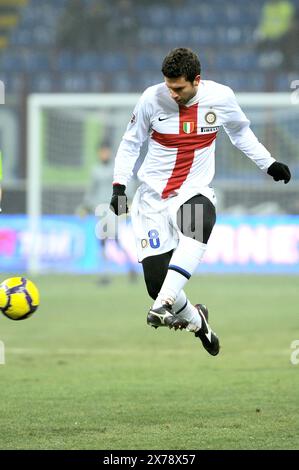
(181, 151)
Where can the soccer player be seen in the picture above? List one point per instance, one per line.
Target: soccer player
(173, 211)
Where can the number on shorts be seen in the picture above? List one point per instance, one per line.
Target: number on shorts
(154, 239)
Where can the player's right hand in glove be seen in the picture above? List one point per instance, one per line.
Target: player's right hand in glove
(118, 203)
(279, 171)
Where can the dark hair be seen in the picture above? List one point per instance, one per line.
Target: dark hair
(181, 62)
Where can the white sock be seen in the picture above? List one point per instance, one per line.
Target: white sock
(183, 309)
(183, 263)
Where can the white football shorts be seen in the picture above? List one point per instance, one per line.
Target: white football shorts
(154, 220)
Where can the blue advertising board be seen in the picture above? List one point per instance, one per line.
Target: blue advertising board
(249, 244)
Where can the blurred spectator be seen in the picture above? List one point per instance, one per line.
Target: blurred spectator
(99, 19)
(72, 29)
(97, 25)
(126, 26)
(290, 45)
(96, 200)
(112, 26)
(277, 18)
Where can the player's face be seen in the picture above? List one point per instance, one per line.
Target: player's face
(181, 90)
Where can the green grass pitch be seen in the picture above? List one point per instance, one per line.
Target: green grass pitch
(86, 372)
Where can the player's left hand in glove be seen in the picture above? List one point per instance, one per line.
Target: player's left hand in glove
(119, 200)
(279, 171)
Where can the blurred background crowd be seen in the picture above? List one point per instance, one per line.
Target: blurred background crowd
(117, 45)
(80, 45)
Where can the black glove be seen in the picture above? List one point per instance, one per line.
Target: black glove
(279, 171)
(118, 203)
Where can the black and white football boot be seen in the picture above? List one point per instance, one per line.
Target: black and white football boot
(208, 338)
(161, 316)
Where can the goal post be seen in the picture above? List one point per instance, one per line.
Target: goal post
(63, 130)
(37, 104)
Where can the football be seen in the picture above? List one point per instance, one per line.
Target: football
(19, 298)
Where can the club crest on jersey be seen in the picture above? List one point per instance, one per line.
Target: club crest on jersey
(210, 117)
(188, 127)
